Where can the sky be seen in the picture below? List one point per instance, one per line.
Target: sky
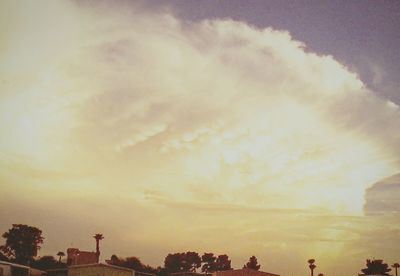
(261, 128)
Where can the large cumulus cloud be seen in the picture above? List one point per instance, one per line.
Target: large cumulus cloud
(187, 119)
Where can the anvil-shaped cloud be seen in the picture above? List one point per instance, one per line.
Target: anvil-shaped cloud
(218, 115)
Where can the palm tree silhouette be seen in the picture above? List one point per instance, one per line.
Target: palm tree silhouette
(60, 254)
(376, 267)
(396, 266)
(312, 266)
(98, 238)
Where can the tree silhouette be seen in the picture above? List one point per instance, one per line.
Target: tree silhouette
(60, 254)
(179, 262)
(114, 260)
(98, 238)
(22, 243)
(173, 262)
(132, 263)
(47, 262)
(129, 262)
(252, 264)
(223, 263)
(311, 265)
(395, 266)
(375, 267)
(209, 264)
(3, 257)
(192, 261)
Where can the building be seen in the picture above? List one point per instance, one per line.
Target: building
(99, 269)
(187, 273)
(37, 272)
(57, 272)
(12, 269)
(78, 257)
(243, 272)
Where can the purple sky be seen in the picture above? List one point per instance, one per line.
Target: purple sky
(364, 35)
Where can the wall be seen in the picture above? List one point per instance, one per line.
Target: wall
(78, 257)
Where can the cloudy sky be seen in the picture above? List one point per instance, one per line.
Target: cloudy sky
(259, 128)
